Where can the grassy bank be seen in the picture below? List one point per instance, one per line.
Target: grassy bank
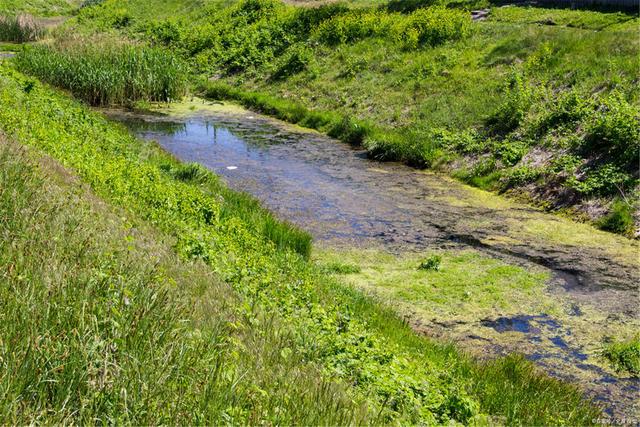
(101, 322)
(352, 340)
(535, 102)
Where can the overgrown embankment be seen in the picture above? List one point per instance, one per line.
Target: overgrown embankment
(403, 377)
(101, 322)
(535, 102)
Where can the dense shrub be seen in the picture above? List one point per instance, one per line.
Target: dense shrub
(20, 29)
(434, 26)
(306, 19)
(618, 220)
(107, 74)
(251, 11)
(166, 32)
(603, 180)
(510, 151)
(297, 59)
(521, 175)
(354, 26)
(517, 101)
(431, 26)
(105, 16)
(614, 129)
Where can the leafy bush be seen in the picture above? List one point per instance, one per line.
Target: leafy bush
(604, 180)
(614, 129)
(510, 151)
(569, 108)
(107, 74)
(165, 32)
(251, 11)
(521, 175)
(619, 219)
(465, 142)
(307, 19)
(20, 29)
(566, 164)
(432, 263)
(434, 26)
(297, 59)
(105, 16)
(354, 26)
(518, 99)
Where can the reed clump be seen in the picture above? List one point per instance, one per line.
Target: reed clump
(108, 73)
(20, 29)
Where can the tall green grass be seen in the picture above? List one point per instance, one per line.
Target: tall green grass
(107, 73)
(102, 323)
(20, 29)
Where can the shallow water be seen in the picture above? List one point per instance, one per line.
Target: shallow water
(344, 199)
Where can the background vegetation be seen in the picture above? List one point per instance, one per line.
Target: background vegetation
(536, 102)
(39, 7)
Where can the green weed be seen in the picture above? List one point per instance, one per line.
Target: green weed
(431, 263)
(624, 356)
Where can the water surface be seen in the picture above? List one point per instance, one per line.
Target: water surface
(343, 199)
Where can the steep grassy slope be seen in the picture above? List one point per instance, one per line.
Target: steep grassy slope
(349, 338)
(537, 102)
(101, 322)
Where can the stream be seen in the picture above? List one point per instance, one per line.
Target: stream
(346, 200)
